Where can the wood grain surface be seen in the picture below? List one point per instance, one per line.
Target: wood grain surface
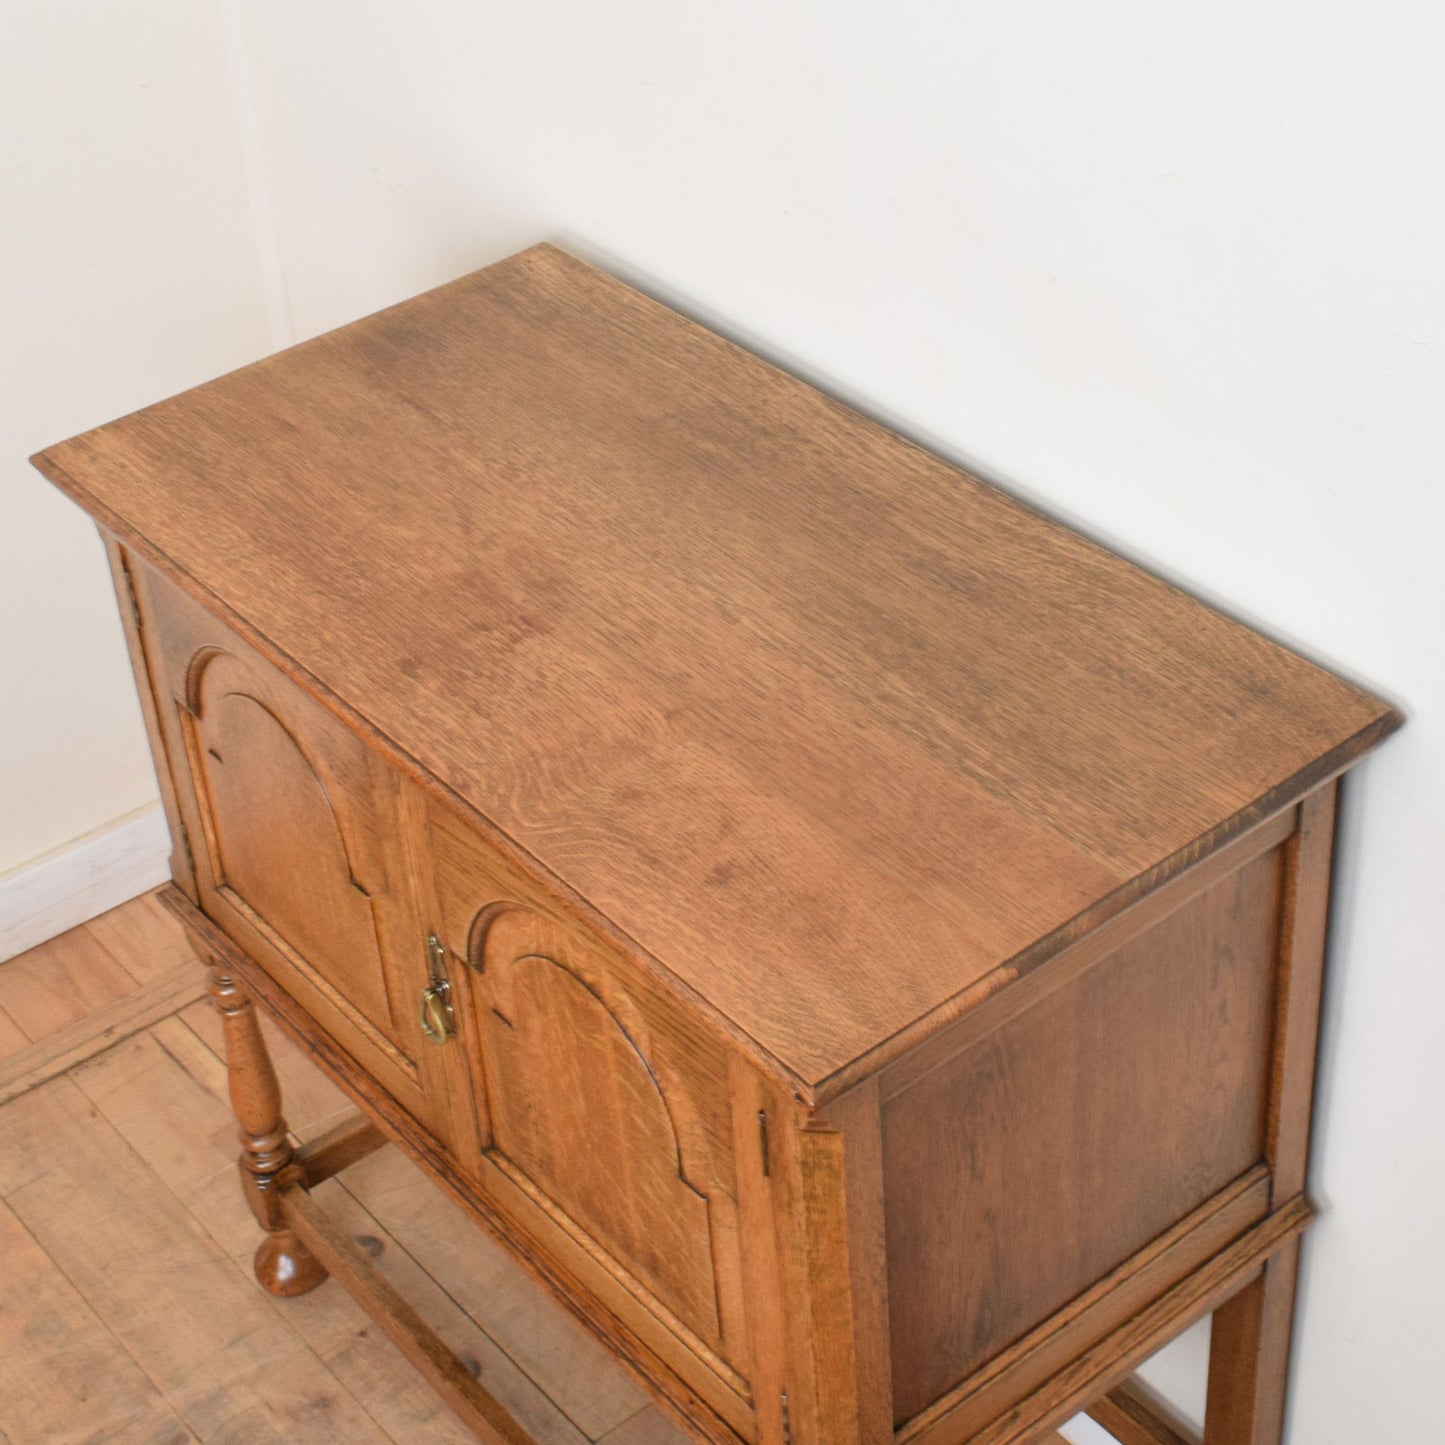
(1022, 1171)
(827, 727)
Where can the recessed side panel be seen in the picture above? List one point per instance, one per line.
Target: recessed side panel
(1026, 1167)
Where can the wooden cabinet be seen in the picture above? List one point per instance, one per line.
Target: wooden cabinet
(856, 941)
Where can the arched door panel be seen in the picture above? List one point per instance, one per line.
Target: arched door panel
(298, 831)
(577, 1111)
(279, 845)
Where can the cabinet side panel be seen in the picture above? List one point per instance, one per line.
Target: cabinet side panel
(125, 591)
(1025, 1168)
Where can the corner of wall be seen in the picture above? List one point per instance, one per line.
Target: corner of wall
(253, 158)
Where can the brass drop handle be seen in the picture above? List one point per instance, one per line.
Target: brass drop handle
(436, 1014)
(437, 1020)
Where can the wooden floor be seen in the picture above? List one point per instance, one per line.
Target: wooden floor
(127, 1307)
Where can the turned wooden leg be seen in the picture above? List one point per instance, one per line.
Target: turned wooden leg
(1249, 1357)
(283, 1264)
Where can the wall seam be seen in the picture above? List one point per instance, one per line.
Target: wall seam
(276, 292)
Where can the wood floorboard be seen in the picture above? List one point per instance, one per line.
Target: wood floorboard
(484, 1359)
(12, 1038)
(50, 1338)
(61, 982)
(152, 1101)
(72, 1045)
(230, 1365)
(484, 1281)
(648, 1427)
(143, 936)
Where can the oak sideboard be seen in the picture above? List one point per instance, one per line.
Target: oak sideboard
(855, 940)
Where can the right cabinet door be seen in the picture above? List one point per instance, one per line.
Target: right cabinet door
(605, 1115)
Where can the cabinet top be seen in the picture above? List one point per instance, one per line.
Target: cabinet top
(838, 734)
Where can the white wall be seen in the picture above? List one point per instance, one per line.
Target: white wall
(128, 270)
(1174, 271)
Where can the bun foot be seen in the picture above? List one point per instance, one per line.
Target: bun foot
(285, 1267)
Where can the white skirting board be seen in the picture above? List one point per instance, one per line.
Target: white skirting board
(82, 880)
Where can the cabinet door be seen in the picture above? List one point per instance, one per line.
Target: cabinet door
(298, 834)
(606, 1121)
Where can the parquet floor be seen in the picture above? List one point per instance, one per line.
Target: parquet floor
(127, 1307)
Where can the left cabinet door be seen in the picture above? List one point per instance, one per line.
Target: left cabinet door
(299, 835)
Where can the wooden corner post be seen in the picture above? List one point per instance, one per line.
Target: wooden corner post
(1250, 1346)
(284, 1266)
